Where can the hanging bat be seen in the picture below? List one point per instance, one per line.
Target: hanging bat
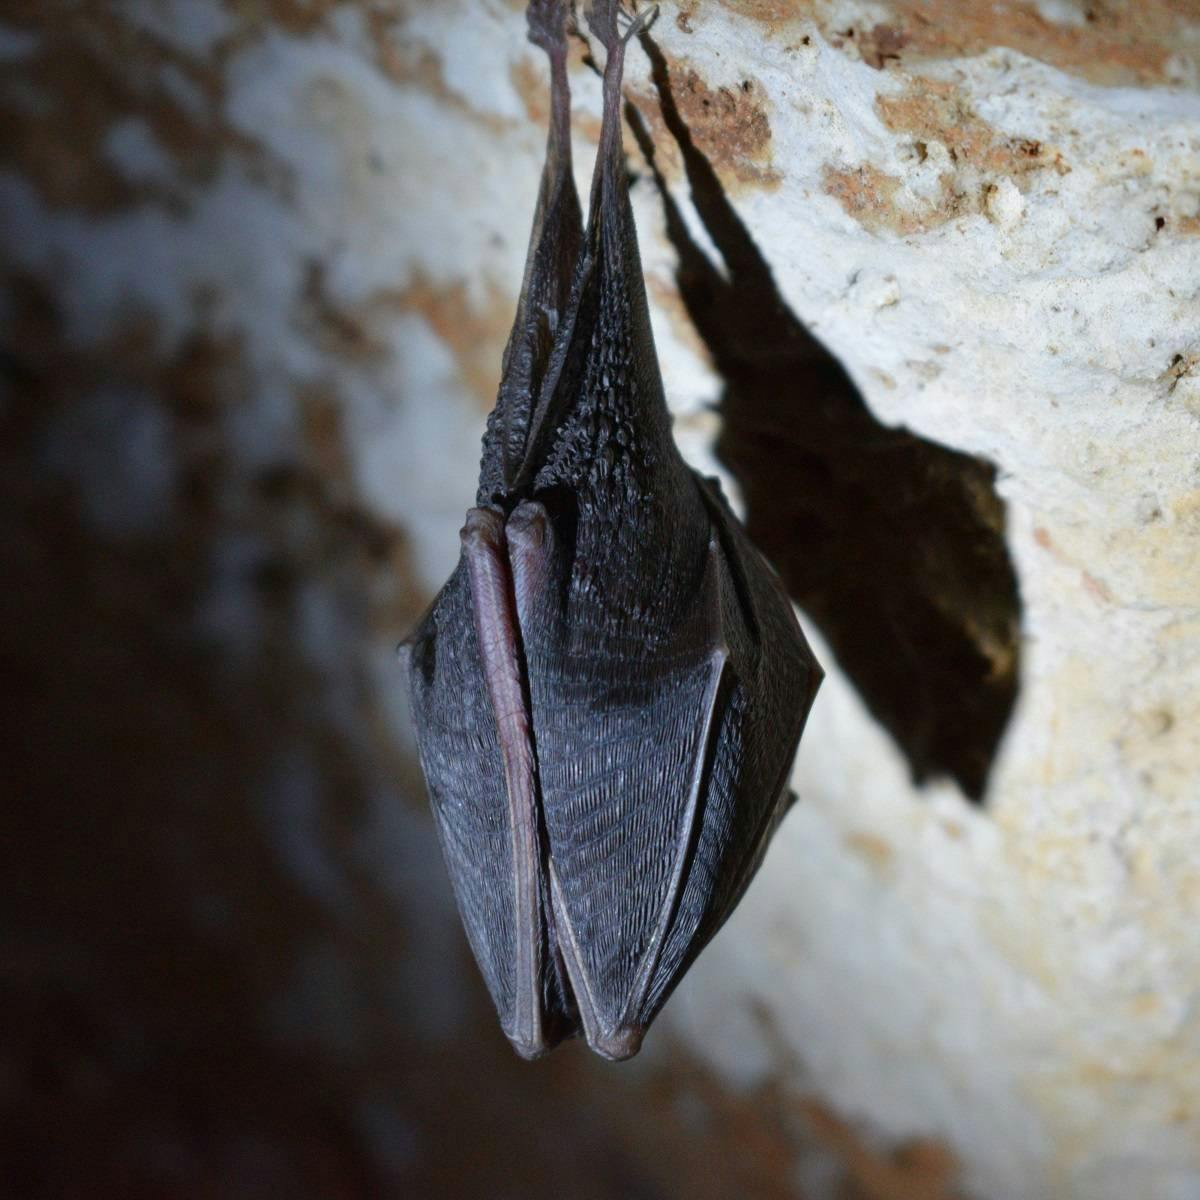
(609, 690)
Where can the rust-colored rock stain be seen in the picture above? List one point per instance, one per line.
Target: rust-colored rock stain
(876, 852)
(935, 111)
(869, 196)
(881, 45)
(729, 125)
(1119, 42)
(336, 329)
(475, 335)
(920, 1169)
(770, 12)
(532, 86)
(408, 62)
(90, 71)
(356, 330)
(295, 16)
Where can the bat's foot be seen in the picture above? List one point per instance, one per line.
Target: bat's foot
(547, 24)
(615, 25)
(632, 24)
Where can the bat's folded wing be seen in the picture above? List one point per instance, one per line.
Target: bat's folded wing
(625, 770)
(599, 837)
(662, 774)
(464, 769)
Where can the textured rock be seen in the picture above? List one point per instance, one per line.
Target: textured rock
(1004, 257)
(260, 262)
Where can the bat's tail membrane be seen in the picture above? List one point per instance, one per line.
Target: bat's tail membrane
(554, 248)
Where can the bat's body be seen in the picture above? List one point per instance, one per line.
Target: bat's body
(610, 688)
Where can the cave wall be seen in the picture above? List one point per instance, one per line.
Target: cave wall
(925, 282)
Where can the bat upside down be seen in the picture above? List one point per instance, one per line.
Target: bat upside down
(609, 690)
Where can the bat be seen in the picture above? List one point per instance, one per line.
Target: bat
(609, 690)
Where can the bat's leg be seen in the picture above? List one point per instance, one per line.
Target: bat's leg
(607, 258)
(497, 631)
(533, 554)
(553, 251)
(602, 20)
(558, 222)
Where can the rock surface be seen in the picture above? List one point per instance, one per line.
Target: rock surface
(260, 259)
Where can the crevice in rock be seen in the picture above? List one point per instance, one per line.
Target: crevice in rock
(892, 544)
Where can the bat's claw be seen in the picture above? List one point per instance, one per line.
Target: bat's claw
(613, 25)
(547, 23)
(631, 24)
